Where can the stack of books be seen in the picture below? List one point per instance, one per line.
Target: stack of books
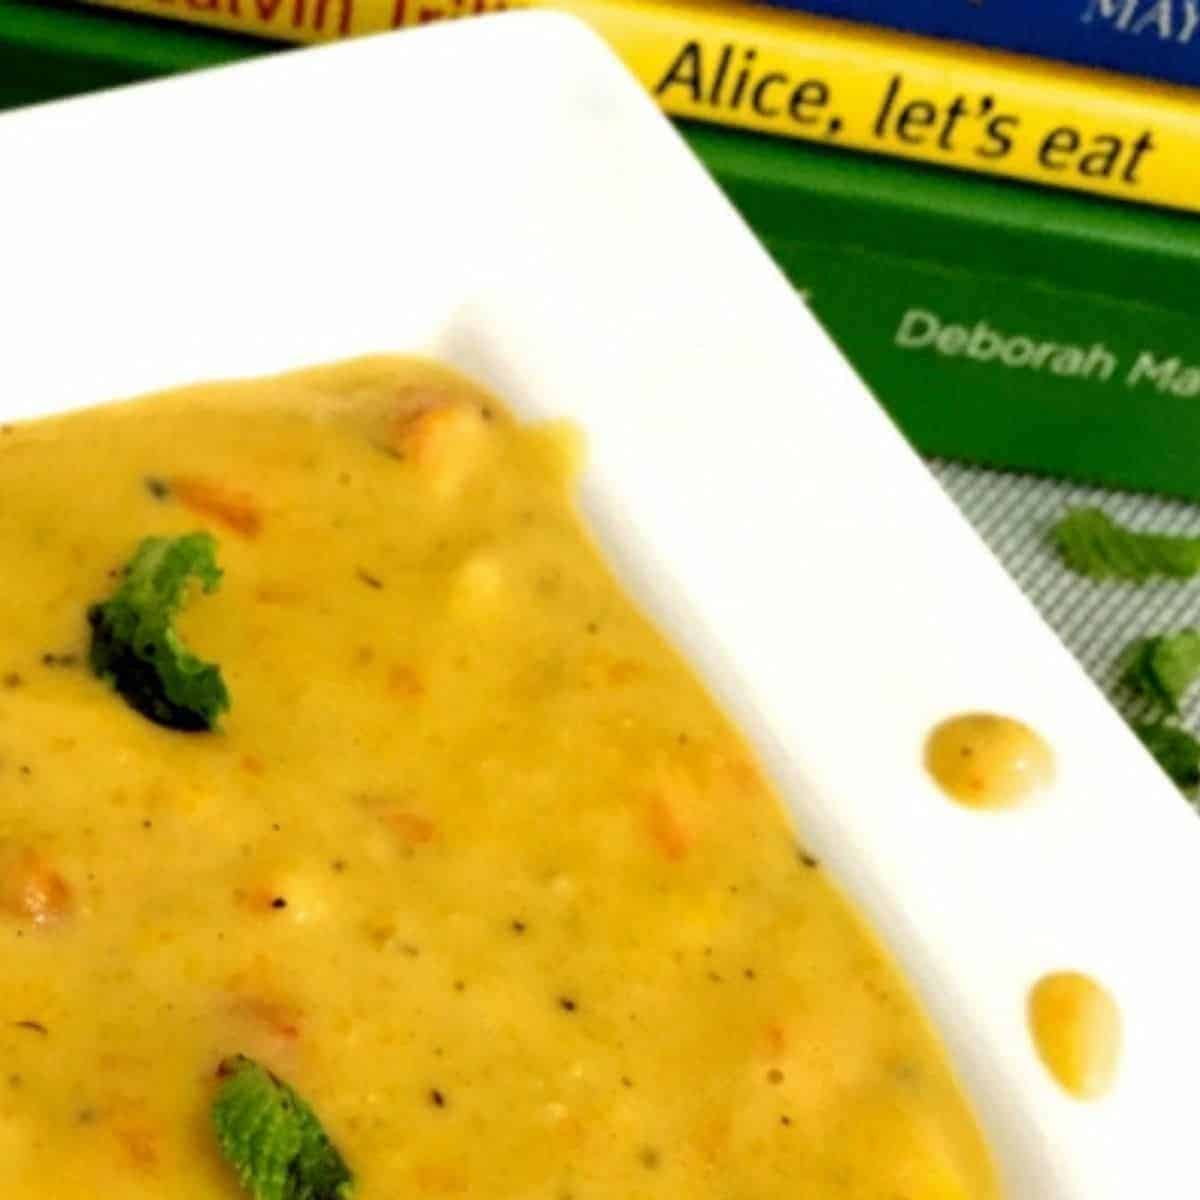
(989, 205)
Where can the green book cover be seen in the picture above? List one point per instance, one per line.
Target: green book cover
(996, 322)
(52, 48)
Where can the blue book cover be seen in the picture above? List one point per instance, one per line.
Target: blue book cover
(1155, 38)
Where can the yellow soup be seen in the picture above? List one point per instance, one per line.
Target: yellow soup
(472, 861)
(1076, 1027)
(987, 761)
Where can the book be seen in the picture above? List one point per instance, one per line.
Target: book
(835, 83)
(1001, 325)
(881, 250)
(1156, 38)
(51, 49)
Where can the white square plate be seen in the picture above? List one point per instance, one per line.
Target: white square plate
(500, 194)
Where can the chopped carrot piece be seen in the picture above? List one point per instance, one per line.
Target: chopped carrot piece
(430, 423)
(256, 996)
(624, 670)
(259, 898)
(32, 889)
(278, 1016)
(413, 828)
(603, 670)
(234, 509)
(140, 1143)
(421, 410)
(776, 1040)
(405, 681)
(666, 831)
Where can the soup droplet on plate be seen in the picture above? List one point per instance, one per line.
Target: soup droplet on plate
(984, 760)
(1076, 1027)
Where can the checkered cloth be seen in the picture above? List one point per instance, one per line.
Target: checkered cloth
(1012, 514)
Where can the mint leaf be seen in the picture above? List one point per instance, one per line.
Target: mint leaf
(134, 643)
(273, 1139)
(1177, 752)
(1092, 543)
(1162, 668)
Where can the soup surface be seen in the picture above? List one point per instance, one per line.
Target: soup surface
(987, 761)
(472, 861)
(1076, 1026)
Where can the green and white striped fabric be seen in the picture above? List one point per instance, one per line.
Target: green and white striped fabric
(1096, 619)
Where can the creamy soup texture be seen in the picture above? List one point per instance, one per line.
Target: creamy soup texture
(472, 861)
(987, 761)
(1076, 1026)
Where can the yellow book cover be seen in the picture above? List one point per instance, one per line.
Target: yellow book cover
(797, 76)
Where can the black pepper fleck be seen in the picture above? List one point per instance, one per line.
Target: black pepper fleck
(806, 859)
(785, 1120)
(626, 1081)
(147, 824)
(650, 1158)
(279, 902)
(160, 489)
(436, 1098)
(49, 659)
(567, 1004)
(748, 973)
(32, 1027)
(338, 865)
(518, 926)
(459, 985)
(372, 581)
(775, 1075)
(12, 680)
